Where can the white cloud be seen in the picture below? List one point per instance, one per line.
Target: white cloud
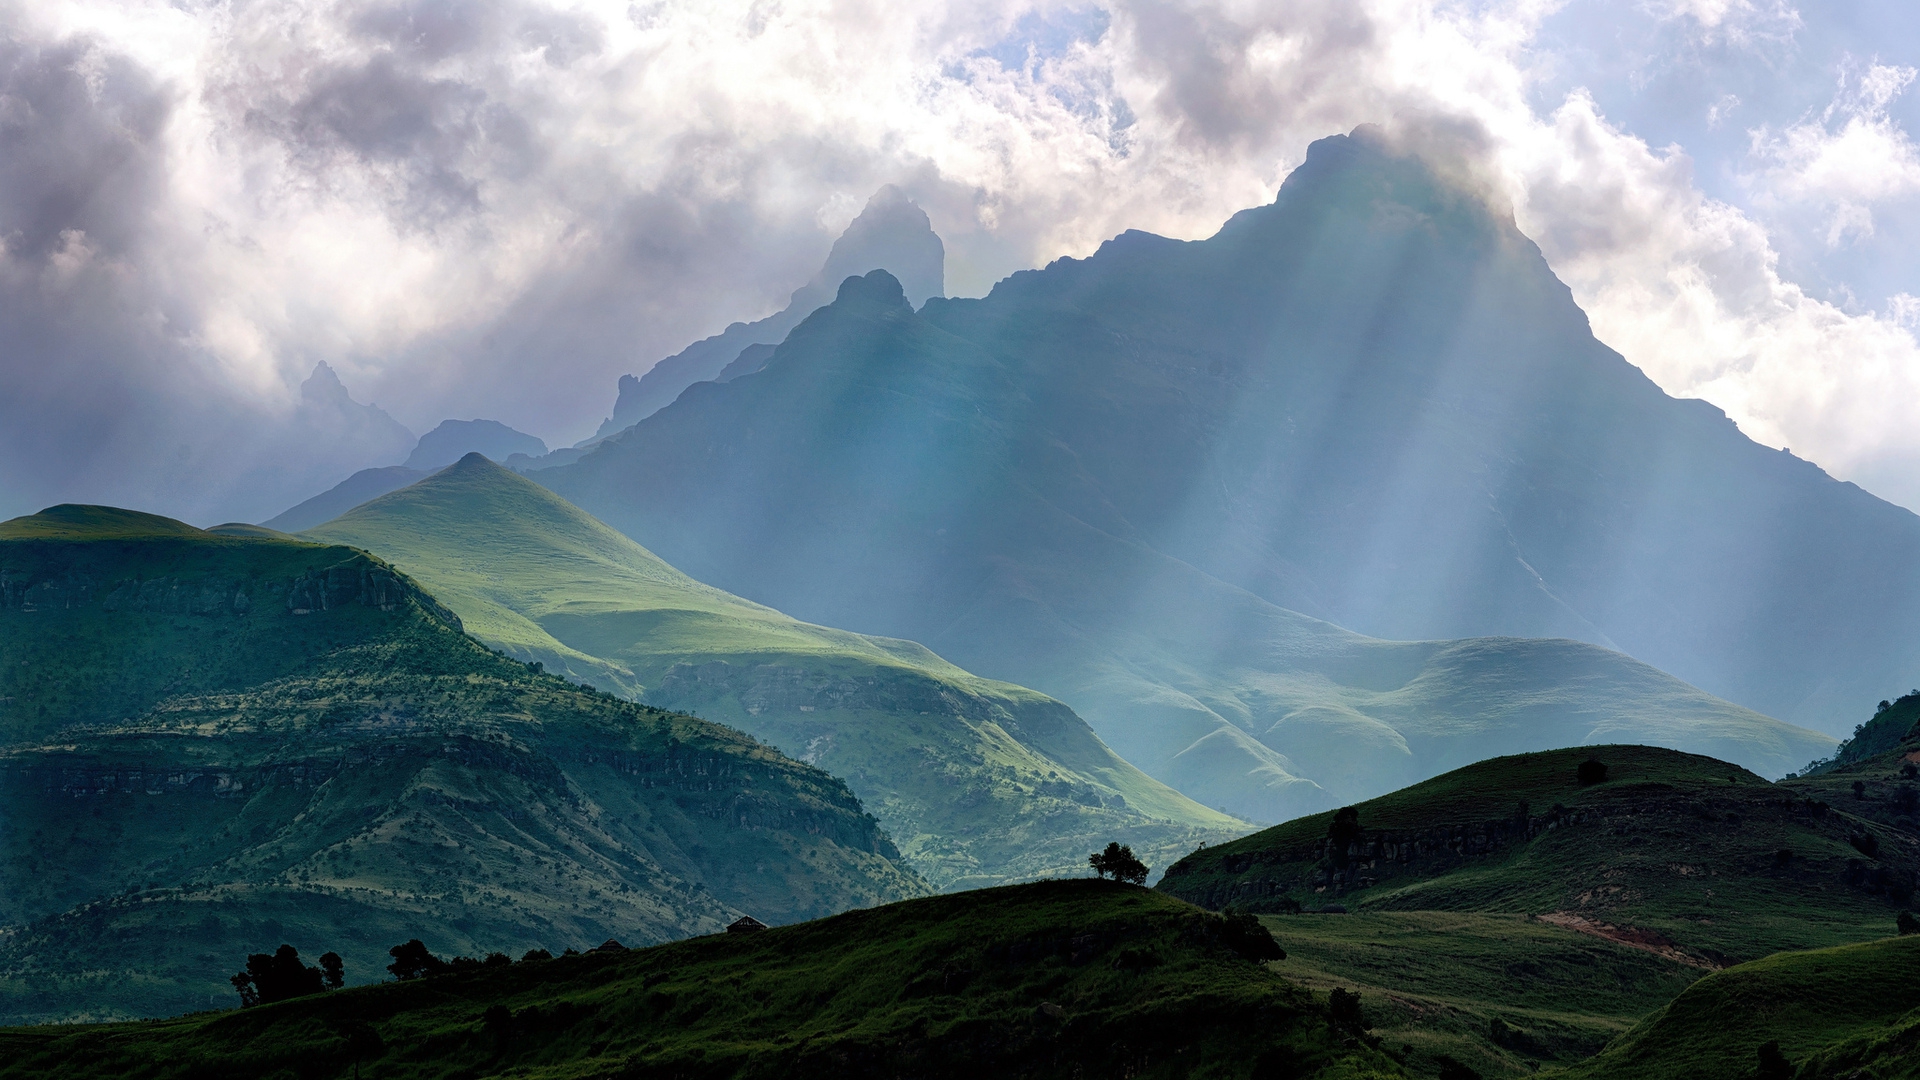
(495, 207)
(1849, 157)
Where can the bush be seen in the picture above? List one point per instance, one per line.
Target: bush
(1243, 934)
(1774, 1064)
(1343, 1011)
(1453, 1070)
(1591, 771)
(1907, 923)
(1865, 843)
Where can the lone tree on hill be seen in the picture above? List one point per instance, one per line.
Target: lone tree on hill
(1119, 861)
(280, 975)
(1344, 832)
(413, 961)
(1592, 771)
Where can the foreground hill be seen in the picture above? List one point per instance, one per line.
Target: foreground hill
(211, 744)
(1852, 1011)
(1682, 855)
(1058, 979)
(979, 782)
(886, 473)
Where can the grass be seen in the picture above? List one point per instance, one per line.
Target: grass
(1502, 994)
(1842, 1008)
(333, 764)
(1677, 851)
(1054, 979)
(978, 782)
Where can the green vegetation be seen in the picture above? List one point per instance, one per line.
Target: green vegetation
(1850, 1011)
(1501, 994)
(1680, 854)
(212, 745)
(1055, 979)
(978, 782)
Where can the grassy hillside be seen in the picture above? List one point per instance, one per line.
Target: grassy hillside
(1502, 994)
(1679, 854)
(211, 744)
(1851, 1011)
(1056, 979)
(977, 781)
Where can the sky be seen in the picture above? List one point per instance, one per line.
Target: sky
(494, 208)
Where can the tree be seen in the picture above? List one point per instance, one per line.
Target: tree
(1119, 861)
(277, 976)
(1907, 923)
(1343, 1011)
(333, 969)
(1243, 933)
(1591, 771)
(412, 961)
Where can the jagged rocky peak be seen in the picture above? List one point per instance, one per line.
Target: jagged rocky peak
(892, 233)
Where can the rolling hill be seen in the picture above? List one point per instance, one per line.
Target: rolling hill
(211, 743)
(979, 782)
(1055, 979)
(1682, 855)
(886, 474)
(1852, 1011)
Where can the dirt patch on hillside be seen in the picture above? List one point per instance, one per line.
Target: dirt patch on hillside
(1630, 936)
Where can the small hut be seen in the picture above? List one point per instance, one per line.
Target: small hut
(745, 924)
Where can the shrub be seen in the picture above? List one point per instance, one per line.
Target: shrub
(1244, 934)
(1591, 771)
(1907, 923)
(1453, 1070)
(1774, 1064)
(1343, 1011)
(1865, 843)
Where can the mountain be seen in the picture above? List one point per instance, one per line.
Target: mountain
(211, 743)
(892, 232)
(978, 782)
(1370, 402)
(1055, 979)
(886, 474)
(1689, 856)
(454, 439)
(1852, 1011)
(344, 496)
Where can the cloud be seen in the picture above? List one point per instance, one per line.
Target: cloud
(1849, 157)
(496, 207)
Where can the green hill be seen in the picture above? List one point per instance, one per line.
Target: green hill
(1055, 979)
(979, 782)
(1679, 854)
(1875, 774)
(1852, 1011)
(210, 744)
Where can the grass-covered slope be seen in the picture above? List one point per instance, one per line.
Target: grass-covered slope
(211, 744)
(1683, 855)
(1851, 1011)
(1056, 979)
(1502, 994)
(977, 781)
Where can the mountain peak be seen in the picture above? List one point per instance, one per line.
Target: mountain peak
(876, 287)
(446, 444)
(893, 233)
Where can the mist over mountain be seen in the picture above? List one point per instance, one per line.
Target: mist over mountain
(891, 233)
(455, 439)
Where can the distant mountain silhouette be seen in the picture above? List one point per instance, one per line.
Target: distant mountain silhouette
(892, 232)
(1119, 480)
(344, 496)
(455, 439)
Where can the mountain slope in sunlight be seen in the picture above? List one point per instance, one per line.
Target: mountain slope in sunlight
(977, 781)
(883, 473)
